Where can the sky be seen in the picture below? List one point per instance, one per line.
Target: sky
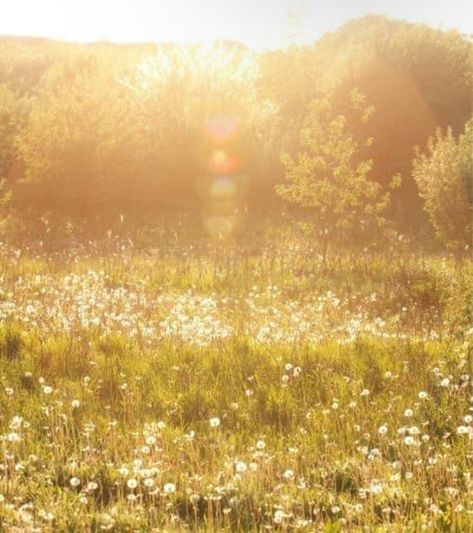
(258, 23)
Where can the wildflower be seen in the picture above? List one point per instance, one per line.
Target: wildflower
(214, 422)
(445, 382)
(75, 404)
(16, 422)
(365, 392)
(261, 445)
(47, 389)
(376, 488)
(13, 437)
(241, 466)
(288, 473)
(422, 395)
(74, 482)
(383, 429)
(409, 441)
(169, 488)
(132, 483)
(408, 413)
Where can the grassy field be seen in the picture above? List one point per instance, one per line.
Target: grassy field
(209, 387)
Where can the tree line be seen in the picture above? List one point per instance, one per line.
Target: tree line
(371, 122)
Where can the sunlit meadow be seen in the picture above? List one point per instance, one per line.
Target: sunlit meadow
(205, 387)
(236, 277)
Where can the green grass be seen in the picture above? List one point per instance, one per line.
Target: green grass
(353, 413)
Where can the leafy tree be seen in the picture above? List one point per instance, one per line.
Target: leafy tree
(444, 176)
(182, 93)
(418, 78)
(13, 113)
(328, 178)
(78, 147)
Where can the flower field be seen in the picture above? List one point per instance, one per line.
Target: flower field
(222, 388)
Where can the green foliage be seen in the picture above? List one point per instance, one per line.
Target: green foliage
(445, 179)
(417, 78)
(328, 178)
(102, 129)
(79, 145)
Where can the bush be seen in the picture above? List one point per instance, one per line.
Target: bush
(445, 179)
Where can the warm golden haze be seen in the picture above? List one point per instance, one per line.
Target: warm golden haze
(257, 24)
(236, 282)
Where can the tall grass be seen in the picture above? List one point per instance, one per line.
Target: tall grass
(234, 386)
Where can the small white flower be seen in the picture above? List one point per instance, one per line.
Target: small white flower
(214, 422)
(13, 437)
(240, 466)
(169, 488)
(288, 473)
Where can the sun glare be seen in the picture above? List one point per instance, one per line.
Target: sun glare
(261, 24)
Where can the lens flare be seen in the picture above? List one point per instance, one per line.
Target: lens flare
(222, 163)
(221, 129)
(223, 188)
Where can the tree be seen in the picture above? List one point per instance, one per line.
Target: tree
(418, 78)
(13, 114)
(186, 94)
(328, 178)
(444, 176)
(78, 147)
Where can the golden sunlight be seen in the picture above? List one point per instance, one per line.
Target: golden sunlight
(257, 24)
(236, 265)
